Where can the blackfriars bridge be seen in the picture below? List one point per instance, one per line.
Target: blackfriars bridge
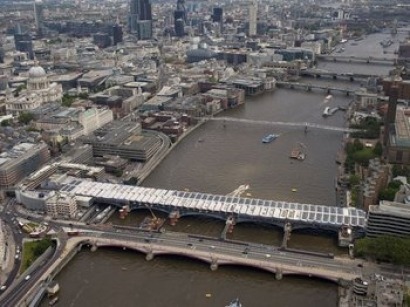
(183, 203)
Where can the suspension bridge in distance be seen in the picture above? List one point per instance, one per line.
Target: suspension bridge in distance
(284, 124)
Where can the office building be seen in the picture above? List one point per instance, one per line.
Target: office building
(61, 206)
(180, 18)
(124, 139)
(253, 15)
(102, 40)
(20, 161)
(116, 34)
(24, 43)
(388, 218)
(140, 10)
(217, 15)
(144, 28)
(38, 16)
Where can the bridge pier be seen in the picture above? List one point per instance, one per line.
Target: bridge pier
(278, 274)
(334, 77)
(149, 256)
(229, 225)
(328, 90)
(173, 217)
(287, 229)
(214, 265)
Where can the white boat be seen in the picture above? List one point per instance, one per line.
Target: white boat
(234, 303)
(328, 111)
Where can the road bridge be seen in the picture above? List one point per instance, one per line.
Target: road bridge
(213, 251)
(355, 59)
(220, 206)
(285, 124)
(309, 87)
(317, 73)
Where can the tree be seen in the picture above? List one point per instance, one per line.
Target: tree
(25, 117)
(67, 100)
(385, 248)
(83, 95)
(5, 123)
(378, 149)
(354, 180)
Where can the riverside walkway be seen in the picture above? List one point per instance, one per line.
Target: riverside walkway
(219, 206)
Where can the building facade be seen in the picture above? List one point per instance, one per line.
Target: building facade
(39, 91)
(388, 218)
(61, 206)
(22, 160)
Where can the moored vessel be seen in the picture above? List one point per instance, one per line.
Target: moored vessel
(269, 138)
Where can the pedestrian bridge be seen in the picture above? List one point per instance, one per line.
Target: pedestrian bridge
(219, 206)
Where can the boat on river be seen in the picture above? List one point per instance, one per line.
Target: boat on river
(269, 138)
(234, 303)
(53, 301)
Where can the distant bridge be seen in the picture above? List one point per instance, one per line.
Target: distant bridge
(286, 124)
(355, 59)
(308, 87)
(318, 73)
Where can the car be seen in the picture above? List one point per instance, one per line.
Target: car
(2, 288)
(360, 265)
(27, 277)
(16, 257)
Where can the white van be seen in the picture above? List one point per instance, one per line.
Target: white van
(27, 277)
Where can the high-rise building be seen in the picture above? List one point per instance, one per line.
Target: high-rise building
(180, 18)
(23, 43)
(179, 27)
(116, 34)
(217, 15)
(144, 28)
(38, 16)
(253, 14)
(140, 10)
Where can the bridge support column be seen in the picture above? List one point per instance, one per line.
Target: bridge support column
(278, 274)
(149, 256)
(229, 225)
(173, 217)
(214, 265)
(287, 229)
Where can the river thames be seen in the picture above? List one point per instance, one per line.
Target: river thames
(217, 159)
